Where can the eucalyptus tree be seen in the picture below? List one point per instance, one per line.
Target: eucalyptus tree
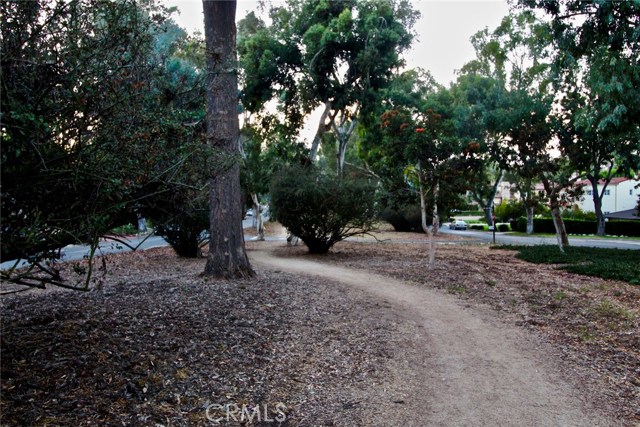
(597, 69)
(332, 55)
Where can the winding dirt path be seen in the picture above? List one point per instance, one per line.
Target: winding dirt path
(464, 367)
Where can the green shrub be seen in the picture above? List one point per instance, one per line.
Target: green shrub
(507, 211)
(623, 228)
(521, 225)
(405, 218)
(576, 213)
(503, 227)
(181, 217)
(185, 233)
(580, 226)
(125, 229)
(468, 213)
(573, 226)
(322, 210)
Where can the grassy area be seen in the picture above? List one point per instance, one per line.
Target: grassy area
(574, 236)
(614, 264)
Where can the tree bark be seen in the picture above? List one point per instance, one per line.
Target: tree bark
(342, 135)
(553, 191)
(597, 204)
(227, 257)
(561, 233)
(257, 215)
(527, 194)
(436, 218)
(487, 206)
(425, 227)
(529, 210)
(322, 128)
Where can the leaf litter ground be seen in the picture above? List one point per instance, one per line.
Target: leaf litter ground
(159, 344)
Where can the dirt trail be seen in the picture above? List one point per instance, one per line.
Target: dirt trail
(465, 367)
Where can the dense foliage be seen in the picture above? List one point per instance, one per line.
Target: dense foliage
(322, 209)
(596, 65)
(585, 226)
(95, 107)
(103, 118)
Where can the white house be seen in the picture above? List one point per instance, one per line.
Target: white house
(506, 191)
(621, 194)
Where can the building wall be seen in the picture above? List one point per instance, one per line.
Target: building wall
(506, 191)
(618, 196)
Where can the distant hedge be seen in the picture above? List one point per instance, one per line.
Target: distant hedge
(623, 228)
(468, 213)
(577, 226)
(503, 227)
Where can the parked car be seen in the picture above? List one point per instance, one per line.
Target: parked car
(458, 225)
(249, 212)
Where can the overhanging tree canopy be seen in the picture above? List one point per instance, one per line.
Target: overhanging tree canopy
(334, 54)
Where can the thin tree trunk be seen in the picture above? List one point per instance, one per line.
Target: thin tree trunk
(436, 219)
(257, 215)
(227, 257)
(561, 233)
(488, 206)
(597, 205)
(425, 227)
(525, 187)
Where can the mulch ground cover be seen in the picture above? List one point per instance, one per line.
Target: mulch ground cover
(159, 345)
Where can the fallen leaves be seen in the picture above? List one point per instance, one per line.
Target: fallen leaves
(159, 344)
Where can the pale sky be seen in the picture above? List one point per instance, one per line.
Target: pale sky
(443, 30)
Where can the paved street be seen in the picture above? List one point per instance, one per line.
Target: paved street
(507, 239)
(140, 242)
(73, 252)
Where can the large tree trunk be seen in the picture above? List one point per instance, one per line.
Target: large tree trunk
(343, 134)
(227, 257)
(322, 128)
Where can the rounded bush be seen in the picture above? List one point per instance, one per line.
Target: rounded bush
(404, 219)
(504, 227)
(320, 209)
